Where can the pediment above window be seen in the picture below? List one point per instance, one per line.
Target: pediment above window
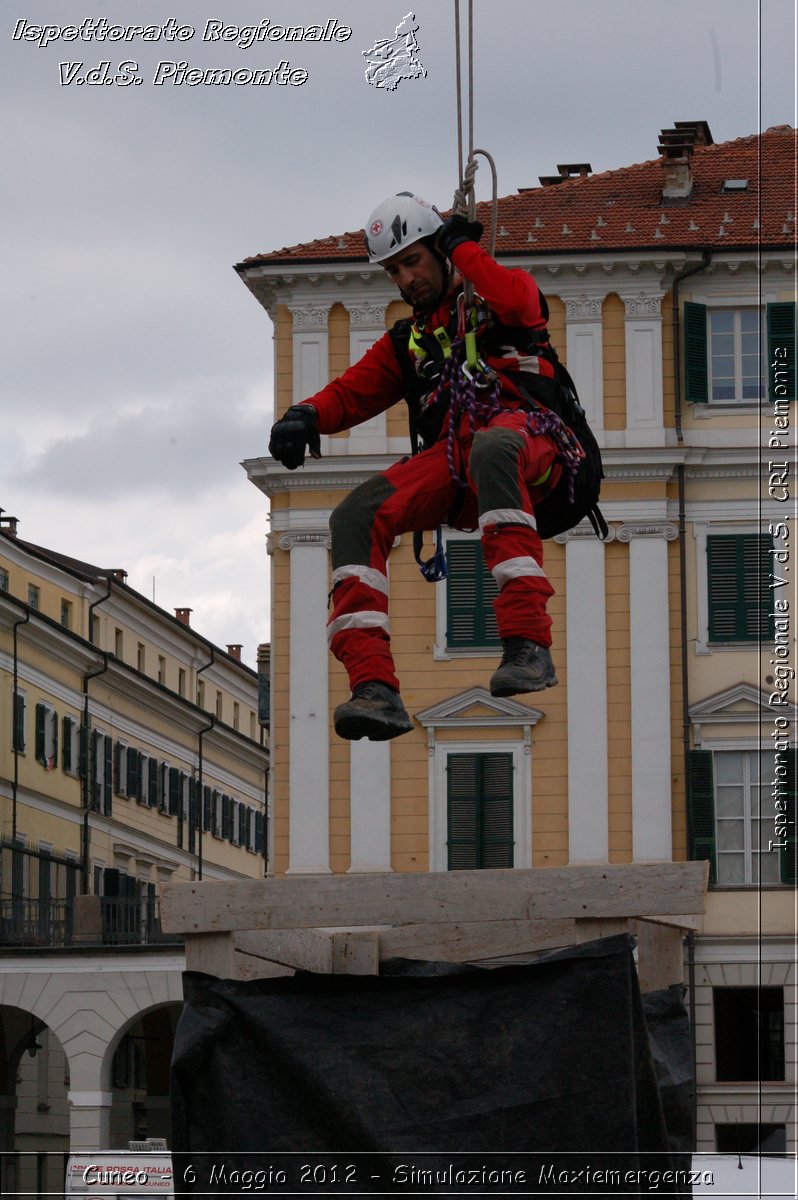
(741, 705)
(475, 708)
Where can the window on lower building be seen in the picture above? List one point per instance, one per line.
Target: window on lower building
(66, 614)
(470, 591)
(740, 597)
(744, 1138)
(3, 579)
(119, 643)
(181, 682)
(749, 1033)
(46, 736)
(141, 658)
(70, 758)
(34, 595)
(741, 815)
(479, 811)
(161, 669)
(18, 725)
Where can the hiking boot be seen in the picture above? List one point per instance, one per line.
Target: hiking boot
(525, 667)
(374, 711)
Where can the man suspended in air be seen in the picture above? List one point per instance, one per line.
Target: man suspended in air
(491, 452)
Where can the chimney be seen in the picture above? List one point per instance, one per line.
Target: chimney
(567, 171)
(8, 524)
(676, 147)
(118, 574)
(234, 650)
(183, 615)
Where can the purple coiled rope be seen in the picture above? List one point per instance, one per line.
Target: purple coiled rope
(483, 402)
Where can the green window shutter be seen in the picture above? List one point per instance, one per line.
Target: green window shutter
(108, 773)
(259, 830)
(18, 731)
(480, 811)
(66, 753)
(41, 721)
(470, 591)
(53, 761)
(701, 809)
(153, 778)
(207, 809)
(174, 791)
(226, 817)
(696, 374)
(193, 813)
(134, 774)
(83, 752)
(740, 596)
(781, 351)
(119, 750)
(94, 771)
(789, 851)
(18, 722)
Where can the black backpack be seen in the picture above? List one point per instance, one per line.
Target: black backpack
(573, 497)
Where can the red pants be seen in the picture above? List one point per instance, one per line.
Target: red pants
(503, 464)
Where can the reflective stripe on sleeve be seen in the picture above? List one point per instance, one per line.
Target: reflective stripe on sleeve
(506, 516)
(517, 568)
(358, 620)
(368, 575)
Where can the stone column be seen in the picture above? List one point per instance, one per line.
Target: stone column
(585, 354)
(588, 767)
(310, 352)
(370, 806)
(650, 690)
(366, 326)
(308, 697)
(89, 1120)
(643, 329)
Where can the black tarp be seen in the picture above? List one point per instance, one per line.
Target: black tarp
(536, 1079)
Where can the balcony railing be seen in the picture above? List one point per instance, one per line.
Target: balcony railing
(81, 921)
(25, 922)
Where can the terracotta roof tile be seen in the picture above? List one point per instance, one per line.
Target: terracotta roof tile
(624, 210)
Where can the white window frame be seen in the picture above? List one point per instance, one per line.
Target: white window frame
(747, 820)
(738, 401)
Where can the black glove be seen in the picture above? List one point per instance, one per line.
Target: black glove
(454, 231)
(292, 433)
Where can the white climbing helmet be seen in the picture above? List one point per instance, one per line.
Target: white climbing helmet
(398, 222)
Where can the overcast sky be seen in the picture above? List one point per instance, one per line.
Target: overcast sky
(137, 369)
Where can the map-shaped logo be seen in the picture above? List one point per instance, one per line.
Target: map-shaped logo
(390, 60)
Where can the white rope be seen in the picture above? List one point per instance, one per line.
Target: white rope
(464, 201)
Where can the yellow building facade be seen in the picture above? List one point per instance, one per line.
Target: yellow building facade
(671, 290)
(134, 752)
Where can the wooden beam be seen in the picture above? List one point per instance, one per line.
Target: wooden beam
(475, 940)
(660, 956)
(356, 953)
(303, 902)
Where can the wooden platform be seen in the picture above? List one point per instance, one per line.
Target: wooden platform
(255, 929)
